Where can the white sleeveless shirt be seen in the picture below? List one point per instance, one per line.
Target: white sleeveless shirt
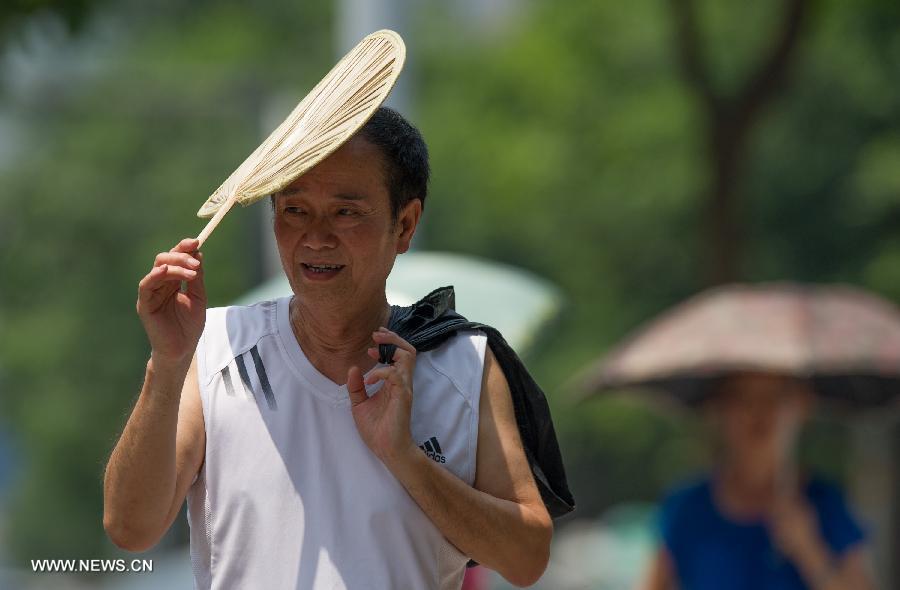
(289, 496)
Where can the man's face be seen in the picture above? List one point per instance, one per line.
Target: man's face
(334, 230)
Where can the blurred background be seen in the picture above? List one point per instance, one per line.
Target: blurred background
(624, 155)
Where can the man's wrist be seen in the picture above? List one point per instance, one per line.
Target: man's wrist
(165, 370)
(166, 363)
(406, 464)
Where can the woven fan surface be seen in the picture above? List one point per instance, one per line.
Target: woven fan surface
(338, 106)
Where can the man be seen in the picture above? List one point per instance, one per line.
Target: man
(307, 464)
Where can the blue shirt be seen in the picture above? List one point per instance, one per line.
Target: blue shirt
(711, 552)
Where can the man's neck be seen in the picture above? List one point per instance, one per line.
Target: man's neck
(335, 337)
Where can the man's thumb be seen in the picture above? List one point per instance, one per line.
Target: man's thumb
(355, 386)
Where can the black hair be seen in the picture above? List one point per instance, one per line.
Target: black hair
(406, 168)
(405, 156)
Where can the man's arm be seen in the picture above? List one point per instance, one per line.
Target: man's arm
(152, 466)
(162, 446)
(501, 522)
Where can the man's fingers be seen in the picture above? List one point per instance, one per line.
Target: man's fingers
(376, 375)
(170, 272)
(153, 279)
(385, 336)
(391, 374)
(355, 386)
(178, 259)
(181, 264)
(163, 277)
(197, 288)
(186, 245)
(405, 360)
(405, 353)
(152, 295)
(191, 263)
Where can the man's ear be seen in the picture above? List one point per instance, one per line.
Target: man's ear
(407, 221)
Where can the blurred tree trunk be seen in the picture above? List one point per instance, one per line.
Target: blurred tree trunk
(729, 121)
(873, 487)
(893, 547)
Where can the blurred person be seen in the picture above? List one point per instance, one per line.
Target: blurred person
(298, 470)
(757, 522)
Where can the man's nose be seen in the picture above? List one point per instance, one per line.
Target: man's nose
(319, 234)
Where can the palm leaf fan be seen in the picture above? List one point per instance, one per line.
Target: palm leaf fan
(338, 106)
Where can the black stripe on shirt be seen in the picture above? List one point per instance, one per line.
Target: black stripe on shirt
(245, 377)
(263, 378)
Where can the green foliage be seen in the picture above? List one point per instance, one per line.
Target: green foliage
(73, 13)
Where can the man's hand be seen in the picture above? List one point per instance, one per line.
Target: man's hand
(173, 319)
(501, 522)
(383, 419)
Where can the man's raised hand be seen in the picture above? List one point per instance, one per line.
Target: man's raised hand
(174, 319)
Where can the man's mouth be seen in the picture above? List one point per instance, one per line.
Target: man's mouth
(322, 268)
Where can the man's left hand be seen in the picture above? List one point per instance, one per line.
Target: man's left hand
(383, 419)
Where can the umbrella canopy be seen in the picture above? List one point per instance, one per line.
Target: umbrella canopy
(515, 302)
(847, 341)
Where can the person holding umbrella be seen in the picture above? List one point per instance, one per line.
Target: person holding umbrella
(755, 360)
(756, 521)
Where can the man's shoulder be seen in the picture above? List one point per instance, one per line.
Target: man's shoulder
(468, 343)
(235, 321)
(460, 359)
(250, 312)
(233, 330)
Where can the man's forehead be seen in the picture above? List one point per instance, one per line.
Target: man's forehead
(349, 169)
(335, 186)
(298, 190)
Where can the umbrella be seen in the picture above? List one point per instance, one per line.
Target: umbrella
(845, 340)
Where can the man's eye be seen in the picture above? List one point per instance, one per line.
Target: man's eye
(346, 212)
(293, 210)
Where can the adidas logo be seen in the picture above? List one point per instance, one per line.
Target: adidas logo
(433, 450)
